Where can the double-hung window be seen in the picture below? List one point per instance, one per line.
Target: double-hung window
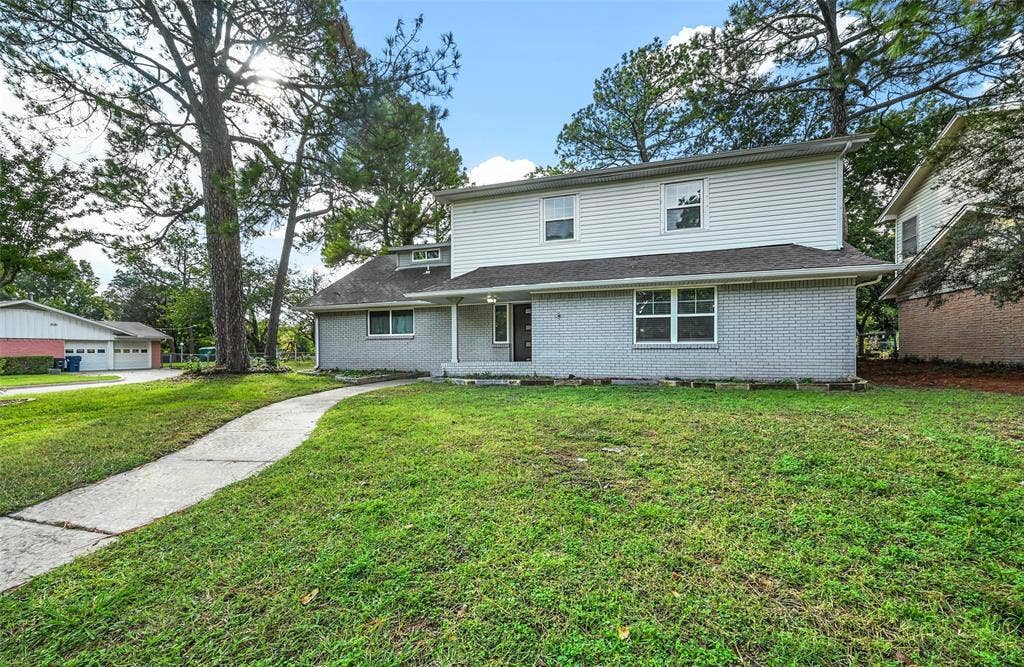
(558, 217)
(909, 234)
(682, 315)
(390, 322)
(501, 320)
(683, 205)
(430, 255)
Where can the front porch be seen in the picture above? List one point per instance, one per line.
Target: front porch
(490, 338)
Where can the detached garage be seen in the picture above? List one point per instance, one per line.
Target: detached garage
(28, 328)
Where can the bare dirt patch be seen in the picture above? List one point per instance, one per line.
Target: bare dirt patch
(938, 375)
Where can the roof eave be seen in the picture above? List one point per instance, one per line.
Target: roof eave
(836, 145)
(363, 306)
(710, 278)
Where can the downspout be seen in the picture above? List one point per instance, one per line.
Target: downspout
(842, 203)
(316, 339)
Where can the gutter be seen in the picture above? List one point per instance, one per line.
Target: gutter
(710, 278)
(363, 306)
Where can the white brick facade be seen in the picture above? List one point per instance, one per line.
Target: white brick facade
(767, 331)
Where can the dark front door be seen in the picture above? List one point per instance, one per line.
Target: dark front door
(522, 332)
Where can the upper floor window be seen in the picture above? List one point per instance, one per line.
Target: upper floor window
(684, 315)
(683, 205)
(909, 230)
(433, 254)
(559, 218)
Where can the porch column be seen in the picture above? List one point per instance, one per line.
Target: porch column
(455, 332)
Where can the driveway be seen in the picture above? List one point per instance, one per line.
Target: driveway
(127, 377)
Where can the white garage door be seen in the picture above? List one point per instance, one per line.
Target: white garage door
(94, 353)
(131, 355)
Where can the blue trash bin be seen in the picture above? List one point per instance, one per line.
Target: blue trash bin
(74, 364)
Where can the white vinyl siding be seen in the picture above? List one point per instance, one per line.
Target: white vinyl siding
(791, 201)
(18, 322)
(931, 206)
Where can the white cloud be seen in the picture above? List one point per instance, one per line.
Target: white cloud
(686, 34)
(499, 169)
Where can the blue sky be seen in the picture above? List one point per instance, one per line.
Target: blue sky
(526, 66)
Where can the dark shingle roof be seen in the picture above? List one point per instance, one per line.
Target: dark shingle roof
(377, 281)
(777, 258)
(136, 329)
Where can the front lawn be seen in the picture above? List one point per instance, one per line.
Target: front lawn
(8, 381)
(597, 525)
(63, 440)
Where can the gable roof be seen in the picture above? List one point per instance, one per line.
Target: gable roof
(130, 329)
(136, 329)
(378, 282)
(830, 146)
(764, 262)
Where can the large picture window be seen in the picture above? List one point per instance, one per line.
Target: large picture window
(501, 320)
(390, 322)
(683, 205)
(683, 315)
(559, 218)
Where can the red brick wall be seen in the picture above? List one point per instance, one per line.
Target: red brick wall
(154, 351)
(967, 327)
(28, 347)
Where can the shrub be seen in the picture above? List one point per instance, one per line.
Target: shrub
(35, 365)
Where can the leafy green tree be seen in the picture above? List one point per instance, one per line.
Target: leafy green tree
(71, 288)
(37, 203)
(984, 251)
(852, 60)
(663, 102)
(392, 165)
(187, 86)
(872, 174)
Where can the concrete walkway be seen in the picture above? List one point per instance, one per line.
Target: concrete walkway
(127, 377)
(39, 538)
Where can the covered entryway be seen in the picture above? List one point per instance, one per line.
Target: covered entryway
(132, 355)
(95, 354)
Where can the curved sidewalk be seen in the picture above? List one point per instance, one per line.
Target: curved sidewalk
(41, 537)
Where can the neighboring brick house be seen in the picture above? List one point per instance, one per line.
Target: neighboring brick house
(966, 326)
(724, 265)
(28, 328)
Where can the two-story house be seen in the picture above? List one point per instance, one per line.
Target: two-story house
(717, 266)
(967, 326)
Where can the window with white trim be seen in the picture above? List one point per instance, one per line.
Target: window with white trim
(909, 234)
(559, 218)
(677, 315)
(429, 255)
(501, 323)
(390, 322)
(683, 205)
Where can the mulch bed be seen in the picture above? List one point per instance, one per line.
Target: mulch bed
(939, 375)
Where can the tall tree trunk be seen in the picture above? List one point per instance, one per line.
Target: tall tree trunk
(223, 238)
(294, 190)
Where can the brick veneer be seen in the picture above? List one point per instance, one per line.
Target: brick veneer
(27, 347)
(966, 327)
(767, 331)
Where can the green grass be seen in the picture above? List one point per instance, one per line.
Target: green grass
(456, 525)
(7, 381)
(64, 440)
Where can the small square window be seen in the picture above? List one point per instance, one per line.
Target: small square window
(684, 207)
(559, 217)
